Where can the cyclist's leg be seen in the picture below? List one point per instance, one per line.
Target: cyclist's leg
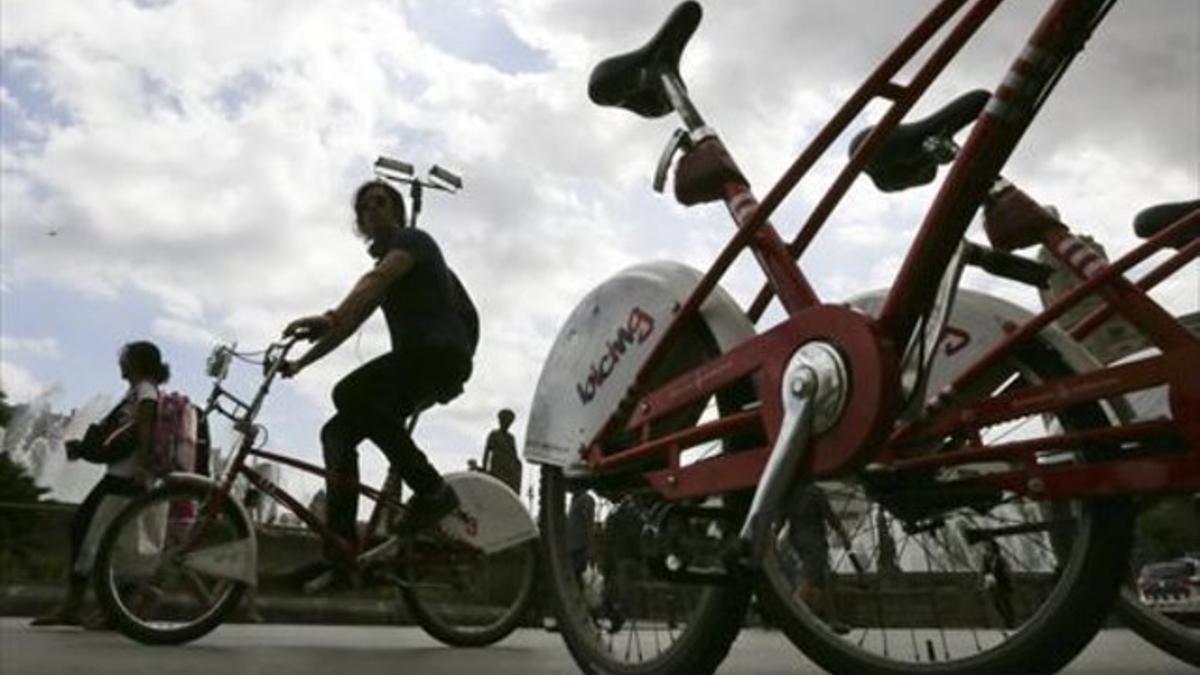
(339, 443)
(374, 400)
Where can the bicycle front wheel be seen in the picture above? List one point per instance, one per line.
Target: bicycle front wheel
(465, 597)
(1160, 600)
(1172, 626)
(170, 568)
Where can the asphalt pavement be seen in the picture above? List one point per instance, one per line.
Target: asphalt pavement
(282, 649)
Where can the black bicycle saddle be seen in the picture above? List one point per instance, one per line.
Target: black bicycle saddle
(1149, 221)
(634, 80)
(903, 162)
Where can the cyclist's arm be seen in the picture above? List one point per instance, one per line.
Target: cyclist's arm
(368, 292)
(144, 419)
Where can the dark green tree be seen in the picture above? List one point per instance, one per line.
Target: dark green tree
(16, 521)
(5, 410)
(1169, 529)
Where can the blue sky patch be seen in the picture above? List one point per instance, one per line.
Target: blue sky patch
(476, 32)
(239, 91)
(22, 78)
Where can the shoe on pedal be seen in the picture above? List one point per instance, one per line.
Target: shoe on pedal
(336, 579)
(426, 510)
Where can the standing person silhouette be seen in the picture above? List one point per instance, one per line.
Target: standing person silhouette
(500, 452)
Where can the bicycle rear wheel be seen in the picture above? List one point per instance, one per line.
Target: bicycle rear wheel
(465, 597)
(640, 620)
(663, 596)
(167, 570)
(987, 583)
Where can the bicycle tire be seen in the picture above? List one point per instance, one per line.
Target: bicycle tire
(1160, 631)
(718, 621)
(718, 609)
(1070, 616)
(471, 634)
(1169, 635)
(107, 578)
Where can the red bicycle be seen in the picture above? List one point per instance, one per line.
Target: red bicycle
(919, 425)
(175, 562)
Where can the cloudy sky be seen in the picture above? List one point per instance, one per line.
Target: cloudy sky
(181, 171)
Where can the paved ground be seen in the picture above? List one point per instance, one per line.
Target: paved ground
(367, 650)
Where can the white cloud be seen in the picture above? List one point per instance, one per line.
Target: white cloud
(45, 347)
(19, 384)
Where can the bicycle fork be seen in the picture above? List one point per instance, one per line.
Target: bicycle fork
(814, 388)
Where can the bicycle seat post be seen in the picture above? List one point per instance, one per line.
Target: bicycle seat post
(682, 103)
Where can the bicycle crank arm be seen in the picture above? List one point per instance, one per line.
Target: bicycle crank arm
(814, 393)
(789, 448)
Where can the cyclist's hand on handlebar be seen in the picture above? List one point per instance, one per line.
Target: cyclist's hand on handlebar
(308, 327)
(289, 369)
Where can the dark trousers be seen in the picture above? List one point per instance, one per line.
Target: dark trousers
(373, 402)
(82, 519)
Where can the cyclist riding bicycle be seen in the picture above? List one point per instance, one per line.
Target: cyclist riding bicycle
(434, 330)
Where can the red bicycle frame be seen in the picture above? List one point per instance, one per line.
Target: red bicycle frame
(868, 429)
(276, 492)
(243, 417)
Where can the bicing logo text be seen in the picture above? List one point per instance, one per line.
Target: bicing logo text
(638, 327)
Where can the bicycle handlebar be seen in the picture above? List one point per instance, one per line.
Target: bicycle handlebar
(1008, 265)
(277, 352)
(243, 413)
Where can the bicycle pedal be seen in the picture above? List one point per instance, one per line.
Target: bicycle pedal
(332, 580)
(388, 578)
(318, 583)
(381, 551)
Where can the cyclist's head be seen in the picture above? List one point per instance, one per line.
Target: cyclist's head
(378, 208)
(505, 417)
(142, 361)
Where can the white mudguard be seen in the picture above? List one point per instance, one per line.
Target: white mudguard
(601, 347)
(490, 517)
(976, 324)
(237, 559)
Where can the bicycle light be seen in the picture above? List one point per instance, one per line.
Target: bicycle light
(394, 165)
(451, 179)
(217, 365)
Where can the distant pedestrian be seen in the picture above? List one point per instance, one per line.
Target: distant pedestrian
(809, 518)
(128, 459)
(583, 548)
(500, 452)
(997, 581)
(581, 530)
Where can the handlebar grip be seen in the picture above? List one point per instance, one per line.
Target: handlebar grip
(1008, 265)
(278, 351)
